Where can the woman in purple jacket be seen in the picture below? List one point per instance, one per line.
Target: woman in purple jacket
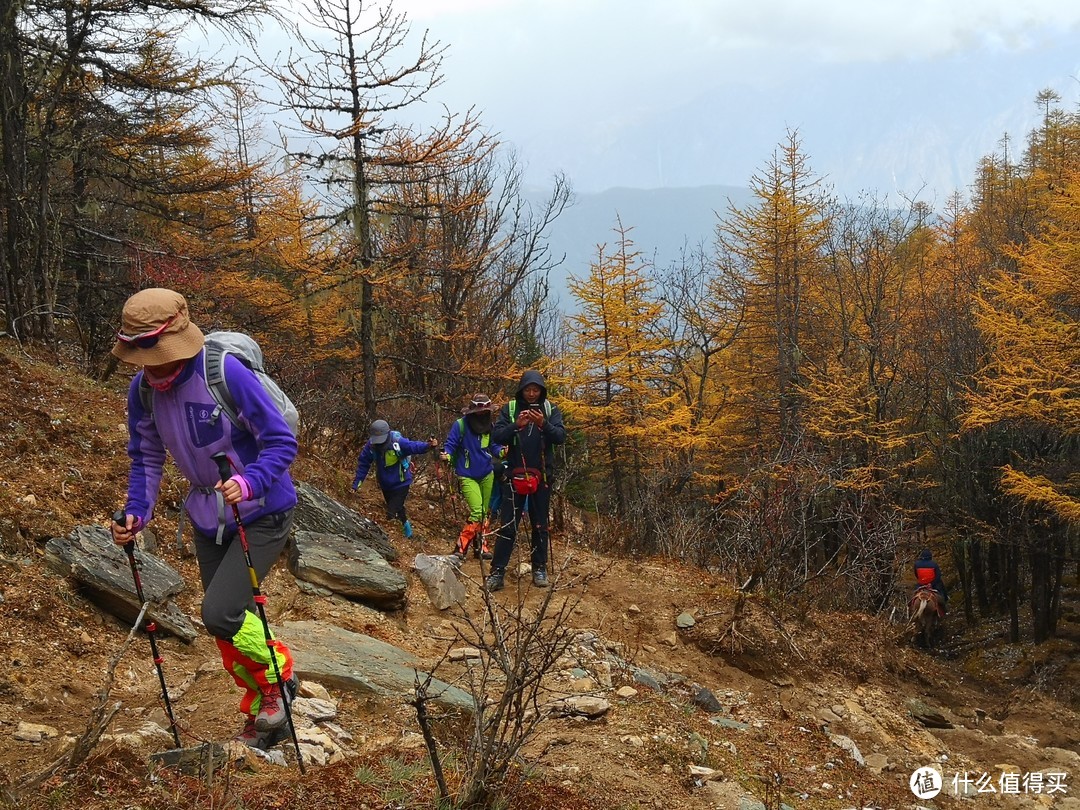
(185, 421)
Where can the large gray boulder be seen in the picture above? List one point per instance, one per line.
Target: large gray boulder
(347, 568)
(336, 657)
(317, 512)
(103, 572)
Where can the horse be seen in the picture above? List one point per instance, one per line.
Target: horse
(924, 615)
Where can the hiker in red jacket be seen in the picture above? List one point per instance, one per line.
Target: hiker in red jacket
(928, 575)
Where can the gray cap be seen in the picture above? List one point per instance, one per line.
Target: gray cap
(380, 429)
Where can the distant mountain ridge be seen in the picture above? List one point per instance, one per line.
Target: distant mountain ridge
(662, 222)
(892, 128)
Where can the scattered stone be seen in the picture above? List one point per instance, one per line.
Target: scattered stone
(356, 661)
(685, 621)
(311, 689)
(148, 734)
(464, 654)
(925, 714)
(633, 610)
(315, 710)
(441, 580)
(319, 513)
(583, 685)
(877, 762)
(626, 692)
(633, 741)
(670, 639)
(727, 722)
(34, 732)
(329, 751)
(848, 745)
(603, 674)
(582, 705)
(702, 772)
(723, 794)
(827, 716)
(312, 590)
(646, 679)
(707, 700)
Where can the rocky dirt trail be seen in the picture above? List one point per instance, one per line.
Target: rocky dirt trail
(713, 700)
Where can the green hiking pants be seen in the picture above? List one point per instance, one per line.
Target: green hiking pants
(477, 494)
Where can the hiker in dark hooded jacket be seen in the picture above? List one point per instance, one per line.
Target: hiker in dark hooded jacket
(185, 420)
(528, 426)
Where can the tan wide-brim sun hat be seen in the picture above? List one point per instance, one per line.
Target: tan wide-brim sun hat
(148, 310)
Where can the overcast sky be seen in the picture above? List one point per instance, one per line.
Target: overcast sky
(560, 79)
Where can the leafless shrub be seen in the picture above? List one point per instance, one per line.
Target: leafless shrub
(520, 637)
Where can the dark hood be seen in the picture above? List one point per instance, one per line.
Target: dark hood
(533, 376)
(925, 554)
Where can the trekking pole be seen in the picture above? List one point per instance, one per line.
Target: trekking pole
(120, 519)
(225, 472)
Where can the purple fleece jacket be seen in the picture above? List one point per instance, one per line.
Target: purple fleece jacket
(183, 423)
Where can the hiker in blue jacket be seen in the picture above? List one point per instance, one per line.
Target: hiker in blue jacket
(390, 452)
(528, 426)
(186, 422)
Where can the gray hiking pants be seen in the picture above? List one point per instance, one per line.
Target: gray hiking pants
(224, 573)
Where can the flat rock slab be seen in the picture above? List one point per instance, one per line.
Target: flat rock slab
(199, 761)
(352, 570)
(333, 656)
(317, 512)
(91, 558)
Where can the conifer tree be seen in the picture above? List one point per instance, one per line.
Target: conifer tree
(613, 363)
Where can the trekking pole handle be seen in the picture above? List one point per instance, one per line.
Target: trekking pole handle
(222, 461)
(120, 519)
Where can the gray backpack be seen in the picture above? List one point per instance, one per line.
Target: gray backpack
(246, 350)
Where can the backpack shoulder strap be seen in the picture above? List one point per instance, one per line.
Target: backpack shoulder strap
(146, 396)
(214, 369)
